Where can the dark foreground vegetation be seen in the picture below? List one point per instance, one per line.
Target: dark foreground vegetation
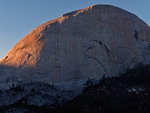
(129, 93)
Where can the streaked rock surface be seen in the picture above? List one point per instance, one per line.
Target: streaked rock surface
(80, 45)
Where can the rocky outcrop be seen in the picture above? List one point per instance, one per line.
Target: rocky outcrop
(84, 44)
(38, 94)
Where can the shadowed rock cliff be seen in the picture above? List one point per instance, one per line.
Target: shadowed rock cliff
(80, 45)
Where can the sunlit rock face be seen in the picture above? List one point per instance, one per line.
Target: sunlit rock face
(87, 43)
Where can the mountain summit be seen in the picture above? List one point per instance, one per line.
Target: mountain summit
(97, 41)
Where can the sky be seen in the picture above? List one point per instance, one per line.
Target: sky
(19, 17)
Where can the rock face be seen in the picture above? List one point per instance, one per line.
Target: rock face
(87, 43)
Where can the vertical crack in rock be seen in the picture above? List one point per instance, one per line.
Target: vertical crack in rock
(136, 37)
(29, 55)
(6, 57)
(133, 23)
(108, 51)
(56, 56)
(136, 34)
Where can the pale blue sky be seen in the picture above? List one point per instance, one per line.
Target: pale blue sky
(19, 17)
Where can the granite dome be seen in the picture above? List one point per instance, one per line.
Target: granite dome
(87, 43)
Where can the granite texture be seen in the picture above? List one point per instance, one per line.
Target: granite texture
(83, 44)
